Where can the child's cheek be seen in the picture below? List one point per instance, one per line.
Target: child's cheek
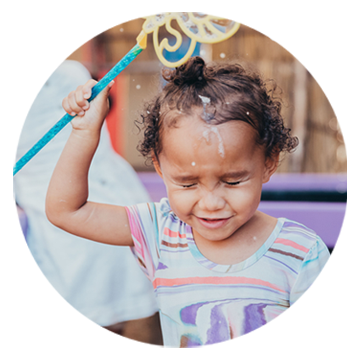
(247, 197)
(182, 202)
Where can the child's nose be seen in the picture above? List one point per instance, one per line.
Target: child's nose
(211, 201)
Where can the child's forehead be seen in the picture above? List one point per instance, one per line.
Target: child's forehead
(194, 146)
(191, 131)
(183, 134)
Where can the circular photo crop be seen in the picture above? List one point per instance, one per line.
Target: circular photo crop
(180, 179)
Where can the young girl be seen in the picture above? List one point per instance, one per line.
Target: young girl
(219, 267)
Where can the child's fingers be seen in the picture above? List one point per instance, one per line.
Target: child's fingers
(105, 92)
(76, 102)
(110, 84)
(67, 107)
(73, 103)
(87, 88)
(79, 98)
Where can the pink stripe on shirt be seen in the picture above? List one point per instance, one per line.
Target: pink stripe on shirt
(173, 234)
(287, 242)
(212, 280)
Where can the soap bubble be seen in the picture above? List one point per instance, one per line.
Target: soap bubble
(222, 55)
(341, 153)
(138, 86)
(333, 124)
(339, 137)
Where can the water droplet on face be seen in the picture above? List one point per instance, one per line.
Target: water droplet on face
(193, 164)
(138, 86)
(222, 55)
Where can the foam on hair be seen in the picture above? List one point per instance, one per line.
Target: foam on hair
(234, 94)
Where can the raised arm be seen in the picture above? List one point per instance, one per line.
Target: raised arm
(67, 205)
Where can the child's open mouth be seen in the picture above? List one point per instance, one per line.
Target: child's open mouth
(213, 222)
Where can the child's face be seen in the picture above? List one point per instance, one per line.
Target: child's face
(213, 174)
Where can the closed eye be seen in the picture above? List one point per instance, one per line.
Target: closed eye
(233, 183)
(188, 185)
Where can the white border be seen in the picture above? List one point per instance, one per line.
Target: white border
(36, 37)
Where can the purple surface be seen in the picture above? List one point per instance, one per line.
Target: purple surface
(325, 218)
(307, 181)
(154, 185)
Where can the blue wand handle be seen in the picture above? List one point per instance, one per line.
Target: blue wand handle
(113, 73)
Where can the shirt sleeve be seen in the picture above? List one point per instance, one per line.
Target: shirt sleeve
(311, 267)
(144, 229)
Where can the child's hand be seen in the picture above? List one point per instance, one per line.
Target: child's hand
(90, 116)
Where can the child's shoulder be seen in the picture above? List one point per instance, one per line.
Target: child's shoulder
(163, 206)
(296, 245)
(298, 235)
(172, 230)
(157, 212)
(164, 211)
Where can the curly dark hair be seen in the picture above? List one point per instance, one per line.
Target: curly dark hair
(234, 94)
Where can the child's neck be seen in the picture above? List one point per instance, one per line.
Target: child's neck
(242, 244)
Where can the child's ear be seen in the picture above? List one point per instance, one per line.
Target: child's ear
(271, 165)
(157, 165)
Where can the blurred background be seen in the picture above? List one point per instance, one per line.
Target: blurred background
(310, 184)
(306, 109)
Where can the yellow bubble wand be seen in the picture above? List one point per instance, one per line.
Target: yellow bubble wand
(198, 27)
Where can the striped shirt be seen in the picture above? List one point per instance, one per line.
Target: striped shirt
(201, 302)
